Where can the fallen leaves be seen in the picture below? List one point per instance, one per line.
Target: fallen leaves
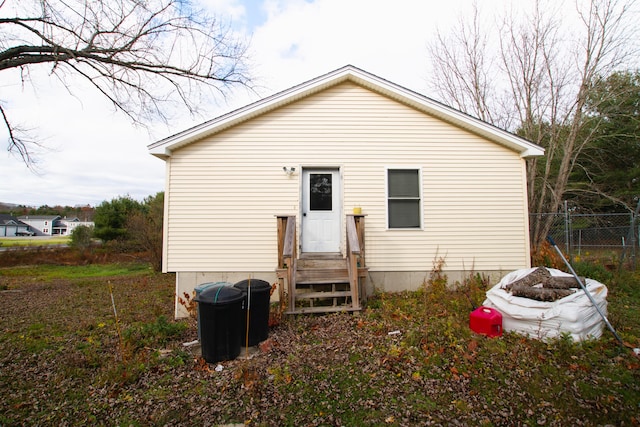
(314, 370)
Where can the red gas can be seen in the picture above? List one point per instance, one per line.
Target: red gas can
(486, 321)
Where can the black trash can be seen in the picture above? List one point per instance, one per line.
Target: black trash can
(220, 309)
(257, 294)
(198, 290)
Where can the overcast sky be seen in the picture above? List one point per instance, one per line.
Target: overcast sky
(95, 154)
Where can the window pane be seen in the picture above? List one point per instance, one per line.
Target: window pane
(404, 214)
(403, 183)
(320, 192)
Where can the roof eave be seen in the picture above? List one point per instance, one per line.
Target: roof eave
(525, 148)
(163, 148)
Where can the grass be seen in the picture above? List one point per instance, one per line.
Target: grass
(65, 361)
(9, 242)
(49, 272)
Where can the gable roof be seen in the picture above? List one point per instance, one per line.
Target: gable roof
(164, 147)
(38, 217)
(7, 219)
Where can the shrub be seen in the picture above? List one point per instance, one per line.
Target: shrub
(593, 270)
(153, 334)
(545, 255)
(81, 237)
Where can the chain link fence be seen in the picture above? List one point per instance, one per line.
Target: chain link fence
(582, 236)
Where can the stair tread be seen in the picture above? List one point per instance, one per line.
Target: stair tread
(321, 255)
(322, 276)
(321, 282)
(332, 294)
(328, 309)
(331, 273)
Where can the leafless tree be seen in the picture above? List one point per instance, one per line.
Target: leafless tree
(533, 76)
(144, 56)
(463, 81)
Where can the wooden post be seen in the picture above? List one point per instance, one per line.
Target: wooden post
(362, 263)
(286, 252)
(287, 256)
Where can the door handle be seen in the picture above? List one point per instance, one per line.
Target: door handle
(304, 214)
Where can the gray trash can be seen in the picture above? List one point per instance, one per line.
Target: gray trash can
(220, 309)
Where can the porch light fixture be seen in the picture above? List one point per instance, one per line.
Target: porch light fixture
(288, 171)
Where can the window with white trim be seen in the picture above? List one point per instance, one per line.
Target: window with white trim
(403, 198)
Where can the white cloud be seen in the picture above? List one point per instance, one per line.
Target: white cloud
(301, 39)
(99, 154)
(232, 10)
(92, 154)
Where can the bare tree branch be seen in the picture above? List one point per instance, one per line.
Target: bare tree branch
(21, 142)
(546, 75)
(143, 56)
(461, 64)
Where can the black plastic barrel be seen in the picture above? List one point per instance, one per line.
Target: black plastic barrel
(198, 290)
(220, 309)
(257, 294)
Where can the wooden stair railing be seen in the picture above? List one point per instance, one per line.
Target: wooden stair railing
(286, 256)
(353, 255)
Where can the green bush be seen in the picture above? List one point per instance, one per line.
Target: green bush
(81, 237)
(154, 334)
(593, 271)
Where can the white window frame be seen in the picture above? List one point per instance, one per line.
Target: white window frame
(420, 196)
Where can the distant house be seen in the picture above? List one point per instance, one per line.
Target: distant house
(41, 224)
(12, 226)
(280, 190)
(65, 226)
(53, 225)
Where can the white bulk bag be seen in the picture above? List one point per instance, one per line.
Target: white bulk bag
(574, 314)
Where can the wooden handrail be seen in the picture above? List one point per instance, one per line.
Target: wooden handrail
(286, 238)
(287, 254)
(355, 241)
(353, 245)
(355, 237)
(289, 238)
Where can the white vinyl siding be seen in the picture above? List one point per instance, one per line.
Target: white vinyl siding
(224, 191)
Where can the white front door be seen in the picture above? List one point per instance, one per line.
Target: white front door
(321, 210)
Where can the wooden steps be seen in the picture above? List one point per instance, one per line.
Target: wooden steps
(321, 282)
(321, 285)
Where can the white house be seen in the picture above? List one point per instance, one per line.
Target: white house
(50, 225)
(272, 190)
(64, 226)
(42, 225)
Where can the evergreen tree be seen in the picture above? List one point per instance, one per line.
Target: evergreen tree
(607, 176)
(111, 218)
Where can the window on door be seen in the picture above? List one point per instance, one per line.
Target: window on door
(320, 192)
(404, 198)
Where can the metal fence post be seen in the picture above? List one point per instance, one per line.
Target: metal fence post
(567, 229)
(632, 240)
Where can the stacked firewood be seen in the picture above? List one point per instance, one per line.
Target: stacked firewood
(542, 286)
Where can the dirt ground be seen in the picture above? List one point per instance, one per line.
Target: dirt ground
(407, 359)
